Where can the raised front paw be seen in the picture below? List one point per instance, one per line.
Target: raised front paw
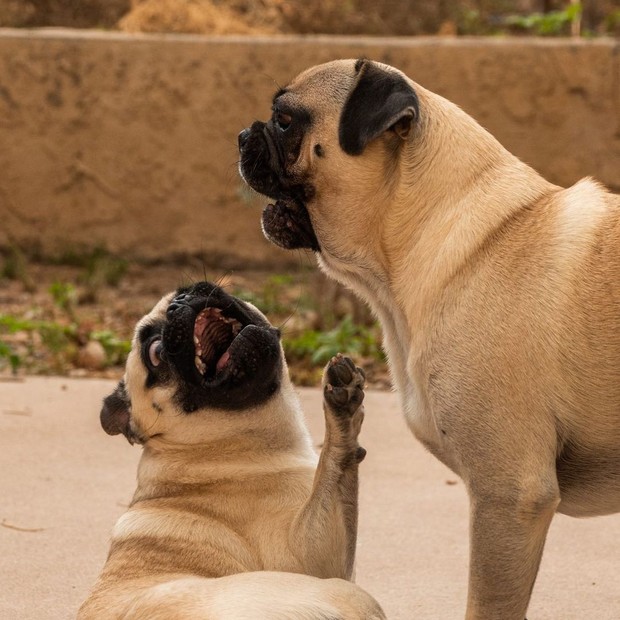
(343, 385)
(343, 390)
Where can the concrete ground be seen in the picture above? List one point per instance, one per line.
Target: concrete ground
(63, 482)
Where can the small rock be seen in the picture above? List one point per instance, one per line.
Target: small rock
(91, 356)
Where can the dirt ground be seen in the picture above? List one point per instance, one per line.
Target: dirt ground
(77, 320)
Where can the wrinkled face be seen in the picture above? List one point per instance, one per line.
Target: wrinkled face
(333, 134)
(198, 349)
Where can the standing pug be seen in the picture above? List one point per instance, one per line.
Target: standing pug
(232, 519)
(498, 293)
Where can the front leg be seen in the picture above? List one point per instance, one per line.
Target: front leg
(324, 533)
(508, 527)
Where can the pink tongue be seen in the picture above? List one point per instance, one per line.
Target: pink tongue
(223, 361)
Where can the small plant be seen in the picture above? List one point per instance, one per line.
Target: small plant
(53, 335)
(102, 268)
(12, 324)
(64, 295)
(546, 24)
(116, 349)
(612, 22)
(15, 267)
(59, 342)
(271, 298)
(272, 292)
(346, 337)
(471, 22)
(99, 269)
(8, 355)
(13, 264)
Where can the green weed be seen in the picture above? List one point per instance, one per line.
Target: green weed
(102, 268)
(99, 268)
(346, 337)
(65, 296)
(272, 298)
(612, 22)
(58, 340)
(552, 23)
(116, 348)
(7, 354)
(15, 267)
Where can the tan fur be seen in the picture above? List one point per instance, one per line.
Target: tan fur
(499, 296)
(218, 528)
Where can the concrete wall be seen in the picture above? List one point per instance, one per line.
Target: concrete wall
(130, 142)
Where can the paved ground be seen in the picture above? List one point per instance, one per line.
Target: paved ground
(63, 482)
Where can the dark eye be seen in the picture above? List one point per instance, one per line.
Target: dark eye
(153, 353)
(283, 121)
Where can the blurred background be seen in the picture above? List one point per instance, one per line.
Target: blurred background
(387, 18)
(118, 163)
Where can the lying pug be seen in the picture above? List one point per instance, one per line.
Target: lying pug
(232, 518)
(498, 293)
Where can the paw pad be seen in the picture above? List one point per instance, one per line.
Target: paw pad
(344, 384)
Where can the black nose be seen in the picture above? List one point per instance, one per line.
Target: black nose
(243, 137)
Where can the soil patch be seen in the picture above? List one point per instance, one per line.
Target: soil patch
(78, 320)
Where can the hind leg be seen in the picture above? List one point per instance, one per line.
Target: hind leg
(255, 595)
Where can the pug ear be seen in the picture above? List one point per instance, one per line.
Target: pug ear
(115, 416)
(380, 101)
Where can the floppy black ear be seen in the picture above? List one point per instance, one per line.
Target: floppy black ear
(380, 101)
(115, 413)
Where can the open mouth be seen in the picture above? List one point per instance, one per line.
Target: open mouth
(214, 334)
(224, 353)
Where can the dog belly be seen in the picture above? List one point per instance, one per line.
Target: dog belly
(589, 486)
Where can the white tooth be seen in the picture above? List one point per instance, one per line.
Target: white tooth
(199, 364)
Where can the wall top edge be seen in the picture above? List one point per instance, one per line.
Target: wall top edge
(284, 39)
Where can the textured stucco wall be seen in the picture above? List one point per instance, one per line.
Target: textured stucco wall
(130, 142)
